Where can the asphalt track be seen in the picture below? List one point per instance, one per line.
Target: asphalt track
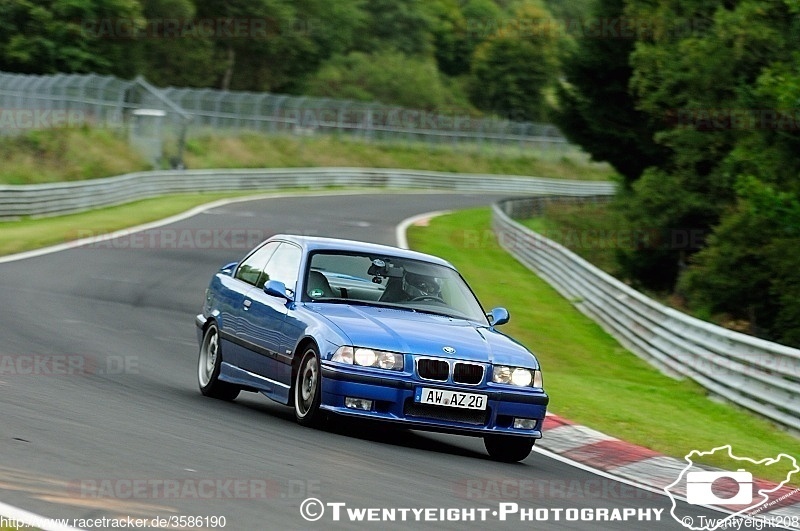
(125, 432)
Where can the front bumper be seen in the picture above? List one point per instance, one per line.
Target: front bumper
(393, 402)
(200, 321)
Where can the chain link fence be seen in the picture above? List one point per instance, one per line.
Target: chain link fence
(37, 102)
(158, 121)
(133, 108)
(300, 115)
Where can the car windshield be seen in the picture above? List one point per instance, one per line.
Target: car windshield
(390, 281)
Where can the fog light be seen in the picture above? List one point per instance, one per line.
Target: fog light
(525, 424)
(358, 403)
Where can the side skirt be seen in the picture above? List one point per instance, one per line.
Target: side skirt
(277, 391)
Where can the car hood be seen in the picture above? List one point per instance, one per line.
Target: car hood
(399, 330)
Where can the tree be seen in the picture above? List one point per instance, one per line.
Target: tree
(257, 42)
(332, 28)
(183, 57)
(512, 69)
(484, 18)
(458, 27)
(450, 41)
(389, 77)
(595, 107)
(750, 268)
(401, 25)
(49, 36)
(731, 92)
(690, 76)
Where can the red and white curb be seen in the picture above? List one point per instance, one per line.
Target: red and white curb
(644, 466)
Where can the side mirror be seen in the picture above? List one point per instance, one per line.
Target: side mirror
(228, 269)
(498, 316)
(276, 288)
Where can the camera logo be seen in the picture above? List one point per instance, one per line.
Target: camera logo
(744, 498)
(703, 488)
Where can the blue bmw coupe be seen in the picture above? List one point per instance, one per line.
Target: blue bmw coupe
(331, 326)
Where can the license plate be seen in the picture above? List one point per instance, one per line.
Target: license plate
(440, 397)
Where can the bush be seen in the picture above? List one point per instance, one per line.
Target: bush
(386, 77)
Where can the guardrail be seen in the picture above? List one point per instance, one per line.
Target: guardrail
(753, 373)
(61, 198)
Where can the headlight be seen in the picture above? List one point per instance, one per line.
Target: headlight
(521, 377)
(517, 376)
(367, 357)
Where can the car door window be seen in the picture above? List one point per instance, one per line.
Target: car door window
(251, 267)
(284, 266)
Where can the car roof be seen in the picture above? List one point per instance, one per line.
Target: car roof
(318, 243)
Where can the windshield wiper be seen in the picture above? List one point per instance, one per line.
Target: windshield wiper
(433, 312)
(357, 302)
(394, 306)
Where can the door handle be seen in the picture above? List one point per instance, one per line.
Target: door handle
(247, 303)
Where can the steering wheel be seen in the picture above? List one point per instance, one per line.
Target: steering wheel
(428, 298)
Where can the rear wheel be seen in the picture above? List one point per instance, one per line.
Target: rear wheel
(308, 389)
(208, 365)
(508, 449)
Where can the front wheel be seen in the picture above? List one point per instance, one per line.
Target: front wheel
(208, 366)
(508, 449)
(308, 390)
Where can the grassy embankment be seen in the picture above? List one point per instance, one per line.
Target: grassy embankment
(65, 155)
(73, 154)
(591, 379)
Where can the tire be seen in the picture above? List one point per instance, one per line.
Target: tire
(507, 448)
(209, 362)
(307, 390)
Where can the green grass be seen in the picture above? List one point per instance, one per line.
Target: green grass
(27, 234)
(590, 378)
(253, 150)
(54, 155)
(593, 231)
(83, 153)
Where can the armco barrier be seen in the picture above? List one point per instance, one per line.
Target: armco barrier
(756, 374)
(60, 198)
(759, 375)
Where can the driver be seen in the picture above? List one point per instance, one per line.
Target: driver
(416, 285)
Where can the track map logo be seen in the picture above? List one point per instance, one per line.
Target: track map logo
(732, 489)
